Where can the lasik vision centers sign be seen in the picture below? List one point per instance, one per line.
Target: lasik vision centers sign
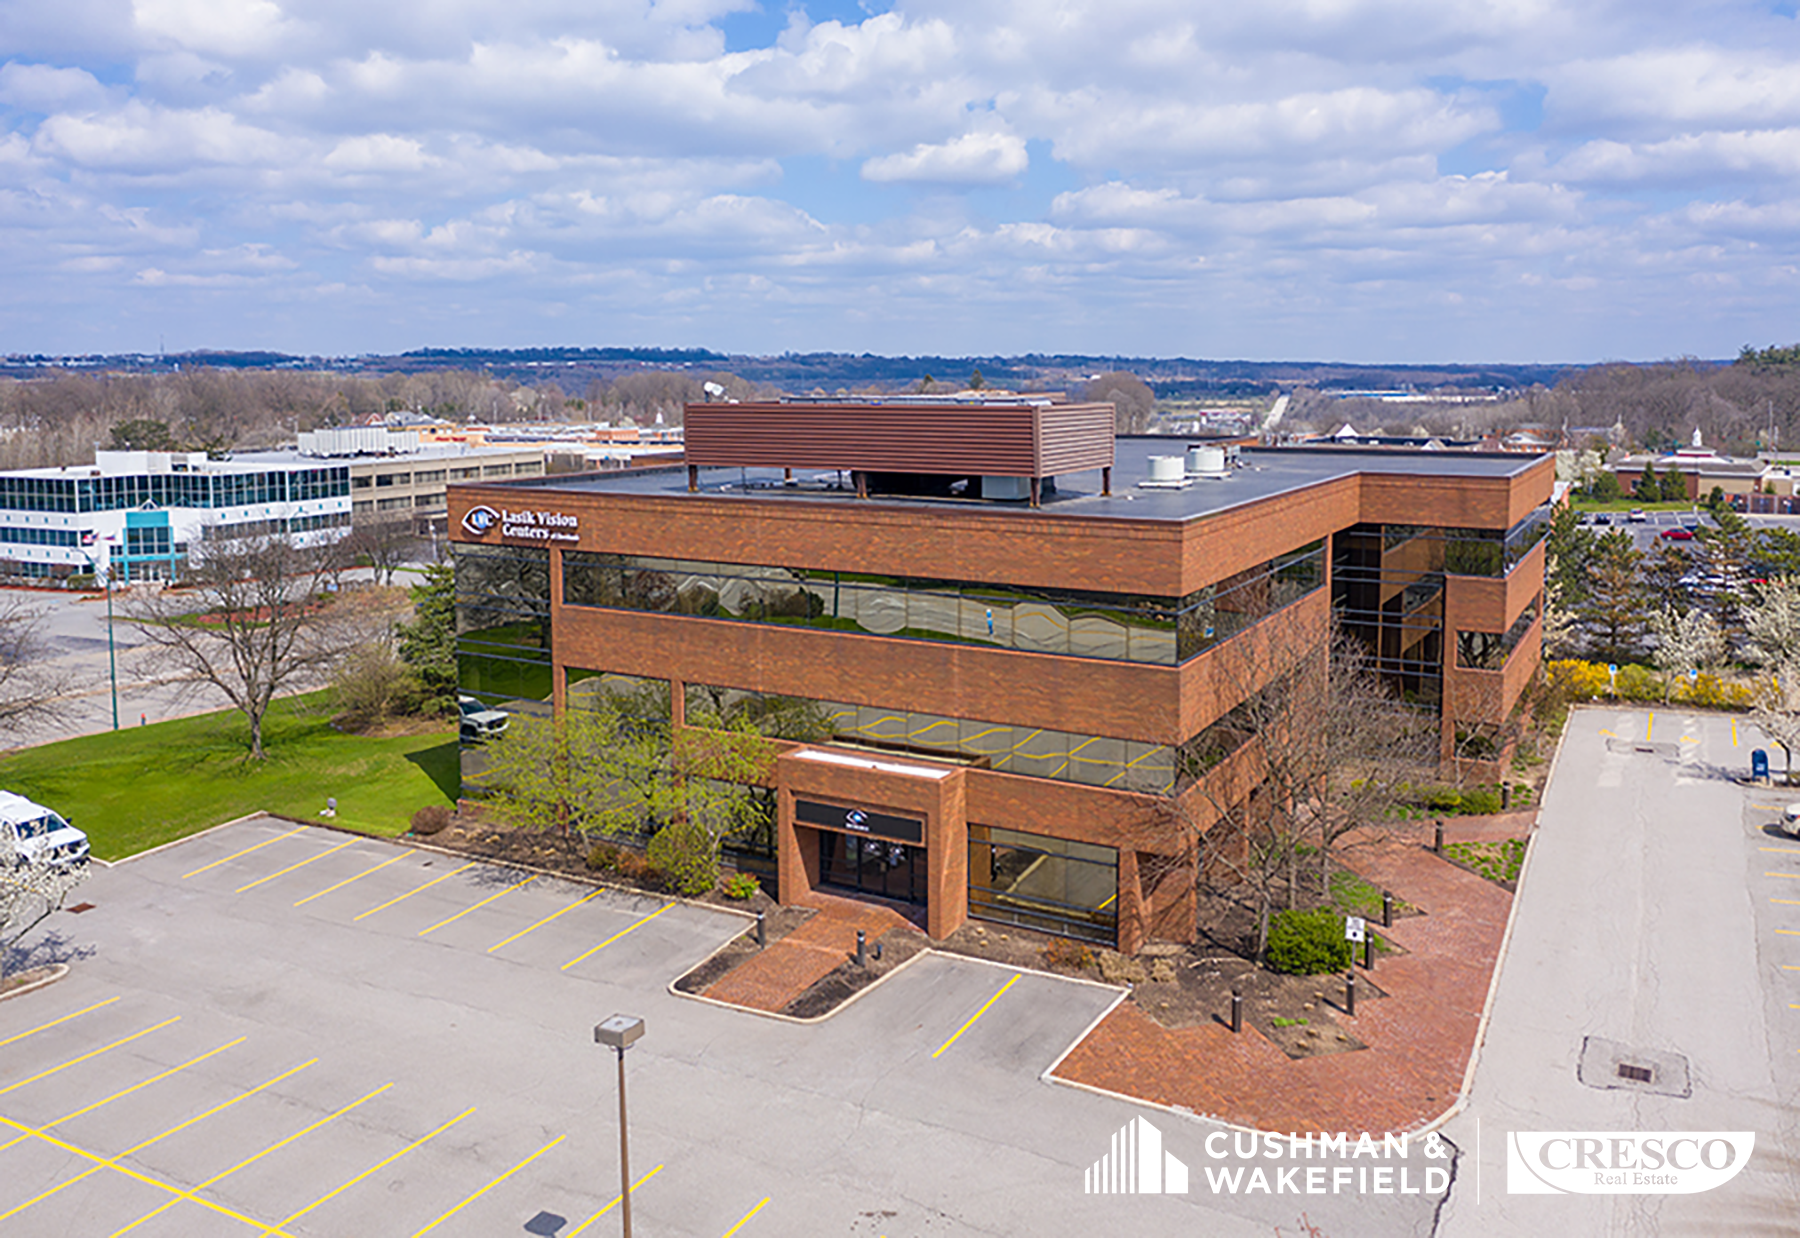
(523, 526)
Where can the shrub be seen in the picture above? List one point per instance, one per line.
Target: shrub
(1444, 799)
(1579, 680)
(604, 858)
(684, 853)
(1305, 943)
(1638, 683)
(1066, 953)
(1481, 801)
(741, 887)
(430, 819)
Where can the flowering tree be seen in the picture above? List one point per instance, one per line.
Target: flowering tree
(30, 890)
(1684, 643)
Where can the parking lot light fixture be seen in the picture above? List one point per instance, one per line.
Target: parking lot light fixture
(619, 1033)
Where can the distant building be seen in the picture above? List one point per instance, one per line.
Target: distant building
(137, 513)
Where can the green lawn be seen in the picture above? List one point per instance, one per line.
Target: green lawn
(144, 786)
(1630, 504)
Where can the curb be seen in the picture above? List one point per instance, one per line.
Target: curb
(57, 972)
(788, 1018)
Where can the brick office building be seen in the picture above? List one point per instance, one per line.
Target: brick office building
(997, 647)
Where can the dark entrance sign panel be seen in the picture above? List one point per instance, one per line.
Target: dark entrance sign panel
(859, 821)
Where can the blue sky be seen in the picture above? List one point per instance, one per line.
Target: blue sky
(1402, 180)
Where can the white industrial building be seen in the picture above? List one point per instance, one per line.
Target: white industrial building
(137, 512)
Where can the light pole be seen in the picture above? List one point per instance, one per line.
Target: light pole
(112, 658)
(619, 1033)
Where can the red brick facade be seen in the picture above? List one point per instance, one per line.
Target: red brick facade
(1088, 696)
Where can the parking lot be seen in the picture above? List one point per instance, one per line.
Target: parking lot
(1660, 911)
(286, 1030)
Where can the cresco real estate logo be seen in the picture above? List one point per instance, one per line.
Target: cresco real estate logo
(1624, 1162)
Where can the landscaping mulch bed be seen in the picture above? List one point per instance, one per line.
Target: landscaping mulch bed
(835, 988)
(473, 835)
(778, 922)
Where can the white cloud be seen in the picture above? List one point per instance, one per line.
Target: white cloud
(1325, 168)
(45, 88)
(217, 27)
(972, 159)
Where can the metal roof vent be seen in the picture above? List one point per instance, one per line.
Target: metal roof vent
(1166, 473)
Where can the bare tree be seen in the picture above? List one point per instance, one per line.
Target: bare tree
(1134, 404)
(387, 540)
(29, 685)
(32, 887)
(255, 630)
(1317, 747)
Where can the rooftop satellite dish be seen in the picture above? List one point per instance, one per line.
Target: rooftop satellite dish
(713, 390)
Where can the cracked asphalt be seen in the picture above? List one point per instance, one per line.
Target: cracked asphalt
(1659, 909)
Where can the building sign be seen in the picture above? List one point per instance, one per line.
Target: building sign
(523, 526)
(859, 821)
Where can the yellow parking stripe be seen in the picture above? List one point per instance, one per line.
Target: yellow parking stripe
(735, 1228)
(1794, 876)
(348, 880)
(302, 864)
(541, 923)
(371, 911)
(44, 1027)
(246, 851)
(249, 1160)
(1787, 902)
(615, 1202)
(173, 1070)
(490, 1186)
(1789, 932)
(45, 1074)
(373, 1169)
(984, 1009)
(101, 1162)
(1782, 850)
(478, 906)
(1734, 742)
(630, 928)
(173, 1130)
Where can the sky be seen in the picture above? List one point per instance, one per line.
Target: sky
(1354, 180)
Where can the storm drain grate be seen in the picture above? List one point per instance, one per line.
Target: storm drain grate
(1610, 1064)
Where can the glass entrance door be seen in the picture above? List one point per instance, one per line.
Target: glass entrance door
(872, 866)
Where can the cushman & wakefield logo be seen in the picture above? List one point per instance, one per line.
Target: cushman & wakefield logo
(1623, 1162)
(1137, 1164)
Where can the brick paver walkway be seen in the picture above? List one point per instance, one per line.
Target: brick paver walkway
(1420, 1036)
(775, 976)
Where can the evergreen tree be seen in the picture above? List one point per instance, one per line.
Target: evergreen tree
(428, 643)
(1613, 607)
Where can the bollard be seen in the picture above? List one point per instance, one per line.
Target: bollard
(862, 948)
(1350, 992)
(1237, 1012)
(1438, 846)
(1368, 952)
(143, 719)
(1505, 796)
(762, 938)
(1387, 910)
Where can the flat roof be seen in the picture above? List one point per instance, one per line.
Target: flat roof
(1265, 473)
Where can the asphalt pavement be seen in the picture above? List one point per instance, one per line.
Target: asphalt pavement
(1659, 911)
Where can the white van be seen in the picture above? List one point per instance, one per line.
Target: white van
(39, 834)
